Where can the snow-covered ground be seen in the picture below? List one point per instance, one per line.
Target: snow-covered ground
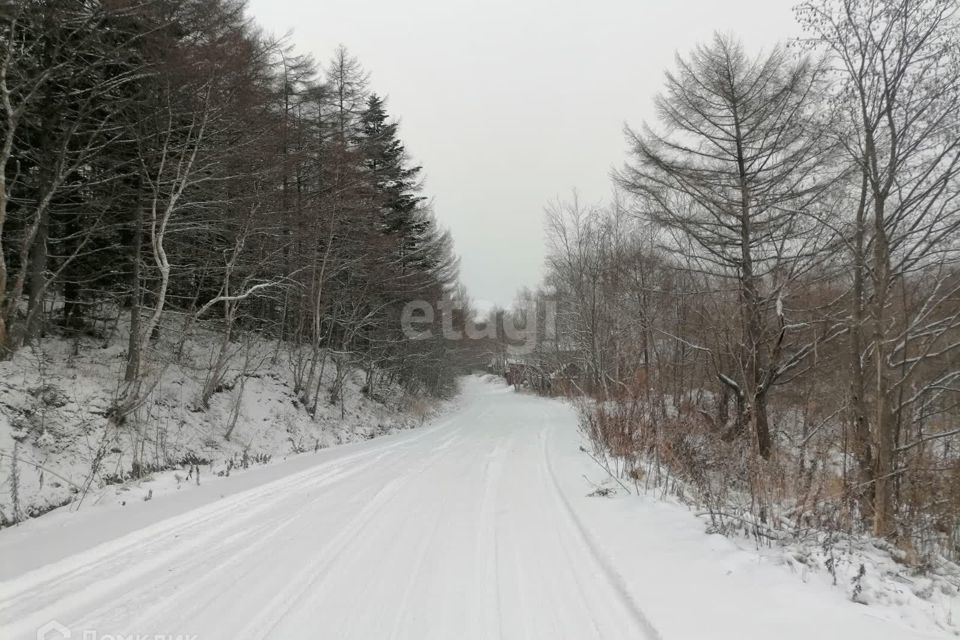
(55, 397)
(480, 525)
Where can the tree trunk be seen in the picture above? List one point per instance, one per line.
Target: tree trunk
(37, 279)
(883, 525)
(754, 387)
(133, 343)
(863, 450)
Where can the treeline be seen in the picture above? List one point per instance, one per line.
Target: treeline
(168, 161)
(770, 308)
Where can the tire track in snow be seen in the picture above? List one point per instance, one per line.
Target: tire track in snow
(317, 572)
(228, 553)
(148, 601)
(108, 570)
(70, 585)
(201, 593)
(423, 546)
(572, 551)
(312, 573)
(487, 558)
(398, 628)
(592, 549)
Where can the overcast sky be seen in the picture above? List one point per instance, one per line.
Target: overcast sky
(509, 104)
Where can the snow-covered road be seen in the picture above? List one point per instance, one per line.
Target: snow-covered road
(475, 527)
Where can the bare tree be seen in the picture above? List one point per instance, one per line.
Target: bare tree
(739, 164)
(899, 73)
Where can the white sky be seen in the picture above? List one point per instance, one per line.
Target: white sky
(508, 105)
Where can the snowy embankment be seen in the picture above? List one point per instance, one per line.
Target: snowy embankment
(486, 524)
(58, 448)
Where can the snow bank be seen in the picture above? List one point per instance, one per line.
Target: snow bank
(55, 398)
(663, 546)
